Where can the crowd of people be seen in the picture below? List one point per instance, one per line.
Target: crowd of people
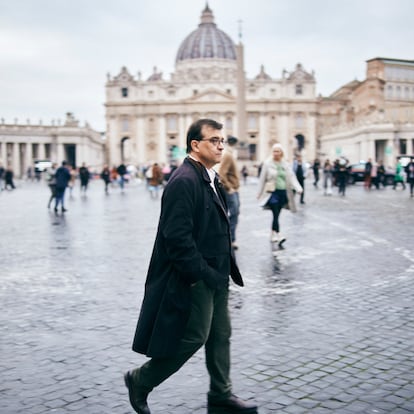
(64, 178)
(185, 304)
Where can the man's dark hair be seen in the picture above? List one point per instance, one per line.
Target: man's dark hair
(194, 132)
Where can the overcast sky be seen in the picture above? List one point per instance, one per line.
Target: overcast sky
(55, 54)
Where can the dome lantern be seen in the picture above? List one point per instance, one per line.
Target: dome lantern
(206, 42)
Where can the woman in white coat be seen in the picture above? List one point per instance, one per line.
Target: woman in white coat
(277, 181)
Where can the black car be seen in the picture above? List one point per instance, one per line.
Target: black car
(357, 172)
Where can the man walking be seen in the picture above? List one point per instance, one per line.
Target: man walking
(185, 304)
(229, 177)
(121, 170)
(84, 176)
(62, 177)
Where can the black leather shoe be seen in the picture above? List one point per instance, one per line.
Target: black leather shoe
(138, 402)
(231, 405)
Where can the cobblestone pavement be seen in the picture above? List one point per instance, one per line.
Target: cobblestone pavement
(323, 326)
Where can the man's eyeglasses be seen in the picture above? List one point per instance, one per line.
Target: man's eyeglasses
(214, 141)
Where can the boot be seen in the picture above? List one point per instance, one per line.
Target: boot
(137, 399)
(274, 237)
(281, 240)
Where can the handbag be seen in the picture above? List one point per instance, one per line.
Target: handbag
(269, 187)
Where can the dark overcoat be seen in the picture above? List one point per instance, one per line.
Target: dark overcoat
(62, 177)
(192, 243)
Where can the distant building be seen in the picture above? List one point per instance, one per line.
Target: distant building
(21, 145)
(148, 119)
(373, 118)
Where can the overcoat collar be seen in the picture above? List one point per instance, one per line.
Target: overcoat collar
(219, 197)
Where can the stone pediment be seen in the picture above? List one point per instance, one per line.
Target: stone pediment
(124, 76)
(212, 95)
(300, 75)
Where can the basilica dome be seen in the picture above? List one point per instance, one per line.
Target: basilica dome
(206, 42)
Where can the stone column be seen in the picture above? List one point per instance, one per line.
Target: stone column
(389, 158)
(42, 151)
(53, 148)
(283, 131)
(371, 147)
(410, 148)
(140, 134)
(60, 154)
(182, 131)
(29, 154)
(15, 162)
(80, 154)
(310, 138)
(162, 144)
(114, 144)
(3, 154)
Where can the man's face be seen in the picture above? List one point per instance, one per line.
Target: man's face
(210, 148)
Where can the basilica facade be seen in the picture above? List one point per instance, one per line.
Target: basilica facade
(147, 119)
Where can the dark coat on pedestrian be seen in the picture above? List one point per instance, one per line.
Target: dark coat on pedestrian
(62, 176)
(84, 175)
(192, 244)
(106, 175)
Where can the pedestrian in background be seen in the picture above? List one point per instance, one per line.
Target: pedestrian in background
(84, 176)
(316, 167)
(8, 178)
(342, 174)
(277, 181)
(51, 182)
(367, 174)
(106, 177)
(2, 171)
(155, 181)
(409, 170)
(62, 176)
(300, 170)
(229, 178)
(29, 173)
(381, 174)
(114, 175)
(185, 303)
(245, 174)
(374, 176)
(121, 170)
(398, 177)
(328, 171)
